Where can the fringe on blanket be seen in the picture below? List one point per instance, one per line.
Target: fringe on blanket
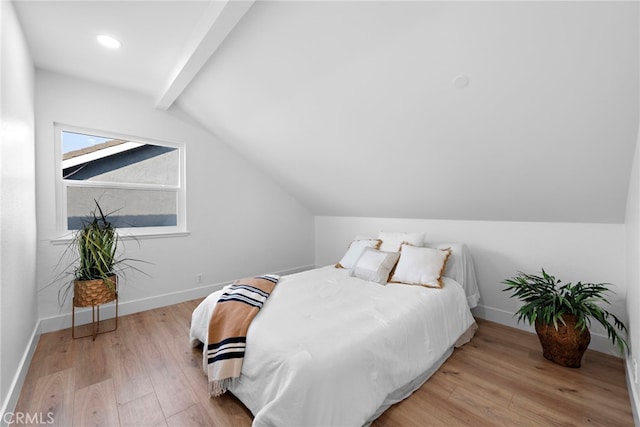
(228, 327)
(219, 387)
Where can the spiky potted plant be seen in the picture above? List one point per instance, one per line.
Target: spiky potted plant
(562, 314)
(95, 279)
(96, 262)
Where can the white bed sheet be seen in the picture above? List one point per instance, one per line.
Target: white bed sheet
(327, 348)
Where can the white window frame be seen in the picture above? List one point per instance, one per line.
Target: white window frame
(179, 229)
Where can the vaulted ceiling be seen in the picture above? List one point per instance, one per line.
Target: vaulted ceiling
(459, 110)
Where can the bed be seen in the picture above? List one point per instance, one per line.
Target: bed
(331, 349)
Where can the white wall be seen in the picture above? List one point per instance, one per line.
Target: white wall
(570, 251)
(18, 307)
(240, 223)
(632, 232)
(632, 224)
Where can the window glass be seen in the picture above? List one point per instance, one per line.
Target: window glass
(94, 158)
(137, 182)
(137, 208)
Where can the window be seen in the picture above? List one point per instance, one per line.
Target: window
(139, 182)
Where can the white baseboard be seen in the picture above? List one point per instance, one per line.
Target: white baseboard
(599, 342)
(18, 380)
(633, 391)
(500, 316)
(83, 316)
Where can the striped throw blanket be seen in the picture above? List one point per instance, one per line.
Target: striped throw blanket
(228, 327)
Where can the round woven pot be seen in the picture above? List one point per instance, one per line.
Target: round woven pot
(566, 345)
(93, 292)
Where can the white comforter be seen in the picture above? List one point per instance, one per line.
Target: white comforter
(327, 348)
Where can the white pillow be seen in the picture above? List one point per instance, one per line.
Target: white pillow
(375, 265)
(421, 266)
(355, 250)
(391, 241)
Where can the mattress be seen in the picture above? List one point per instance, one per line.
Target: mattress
(331, 349)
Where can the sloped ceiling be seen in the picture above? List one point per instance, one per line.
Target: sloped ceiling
(479, 110)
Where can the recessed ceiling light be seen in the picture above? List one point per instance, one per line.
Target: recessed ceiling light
(108, 41)
(461, 81)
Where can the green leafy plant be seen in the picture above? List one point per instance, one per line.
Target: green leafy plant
(96, 243)
(94, 253)
(546, 300)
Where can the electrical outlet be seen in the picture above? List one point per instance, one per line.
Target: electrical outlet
(199, 278)
(635, 370)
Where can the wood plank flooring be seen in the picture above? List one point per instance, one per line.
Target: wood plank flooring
(146, 374)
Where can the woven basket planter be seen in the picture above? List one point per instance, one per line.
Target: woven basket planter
(87, 293)
(566, 345)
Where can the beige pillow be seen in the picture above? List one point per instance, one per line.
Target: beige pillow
(391, 241)
(375, 265)
(421, 266)
(355, 250)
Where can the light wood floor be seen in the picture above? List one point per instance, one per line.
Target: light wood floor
(146, 374)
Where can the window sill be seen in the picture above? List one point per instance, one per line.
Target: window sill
(129, 236)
